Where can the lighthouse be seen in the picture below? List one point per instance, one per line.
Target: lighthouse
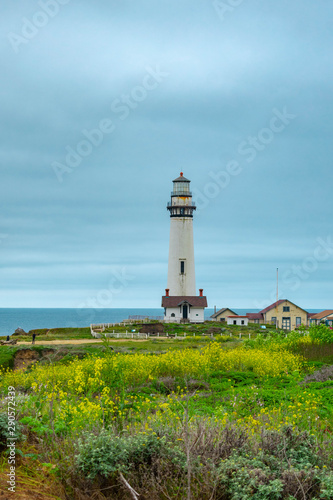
(180, 302)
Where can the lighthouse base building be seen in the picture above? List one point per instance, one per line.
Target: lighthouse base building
(180, 302)
(186, 309)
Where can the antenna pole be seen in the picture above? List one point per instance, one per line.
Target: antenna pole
(277, 296)
(277, 284)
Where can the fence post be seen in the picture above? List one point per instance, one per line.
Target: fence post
(118, 335)
(249, 335)
(240, 335)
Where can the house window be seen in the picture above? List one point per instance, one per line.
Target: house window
(235, 322)
(273, 320)
(286, 309)
(173, 315)
(243, 322)
(197, 314)
(298, 321)
(182, 267)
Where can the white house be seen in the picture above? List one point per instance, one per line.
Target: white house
(238, 320)
(184, 308)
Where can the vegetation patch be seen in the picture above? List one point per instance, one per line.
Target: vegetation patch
(7, 356)
(221, 421)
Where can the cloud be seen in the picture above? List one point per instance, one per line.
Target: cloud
(224, 79)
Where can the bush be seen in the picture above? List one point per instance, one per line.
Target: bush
(326, 492)
(246, 479)
(323, 375)
(7, 356)
(321, 334)
(285, 466)
(108, 455)
(5, 432)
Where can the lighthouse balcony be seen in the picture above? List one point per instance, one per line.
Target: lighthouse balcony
(181, 210)
(187, 205)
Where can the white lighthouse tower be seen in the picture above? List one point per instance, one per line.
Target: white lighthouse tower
(180, 301)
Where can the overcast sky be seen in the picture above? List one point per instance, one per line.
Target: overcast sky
(103, 103)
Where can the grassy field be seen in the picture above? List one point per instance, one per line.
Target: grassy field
(217, 419)
(169, 329)
(54, 334)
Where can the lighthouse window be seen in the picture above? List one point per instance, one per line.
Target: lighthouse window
(182, 211)
(181, 188)
(182, 267)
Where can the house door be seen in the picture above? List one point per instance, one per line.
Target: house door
(185, 312)
(286, 323)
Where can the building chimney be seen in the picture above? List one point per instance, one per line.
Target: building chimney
(201, 292)
(167, 292)
(214, 309)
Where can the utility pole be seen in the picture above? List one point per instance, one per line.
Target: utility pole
(277, 297)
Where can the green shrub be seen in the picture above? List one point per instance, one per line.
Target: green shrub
(326, 491)
(285, 464)
(321, 334)
(42, 426)
(107, 455)
(224, 338)
(246, 479)
(5, 431)
(7, 356)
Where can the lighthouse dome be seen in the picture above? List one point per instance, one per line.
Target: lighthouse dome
(181, 178)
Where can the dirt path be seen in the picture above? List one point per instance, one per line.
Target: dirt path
(79, 341)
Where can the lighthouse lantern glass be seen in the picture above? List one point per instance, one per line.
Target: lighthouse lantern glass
(181, 188)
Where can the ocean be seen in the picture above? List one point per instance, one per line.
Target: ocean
(30, 319)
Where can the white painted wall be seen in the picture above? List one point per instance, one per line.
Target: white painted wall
(172, 310)
(181, 247)
(195, 314)
(230, 321)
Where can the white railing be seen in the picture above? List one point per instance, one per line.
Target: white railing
(127, 335)
(103, 326)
